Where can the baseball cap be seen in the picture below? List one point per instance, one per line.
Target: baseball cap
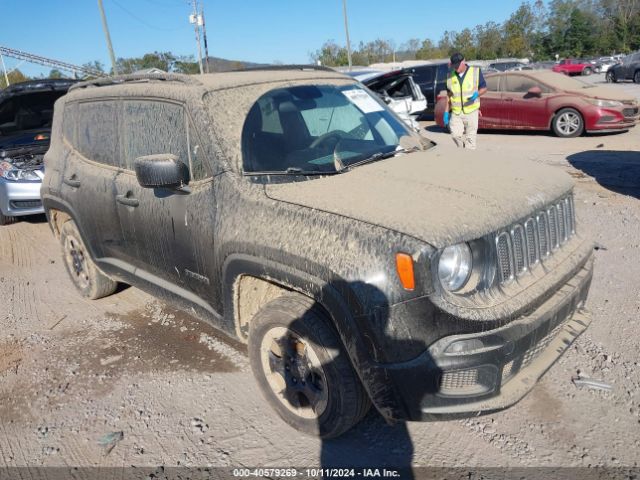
(456, 59)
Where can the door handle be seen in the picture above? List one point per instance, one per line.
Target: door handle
(72, 181)
(128, 201)
(508, 99)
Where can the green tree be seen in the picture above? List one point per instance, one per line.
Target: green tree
(579, 37)
(488, 40)
(519, 31)
(95, 66)
(55, 73)
(464, 42)
(331, 55)
(15, 76)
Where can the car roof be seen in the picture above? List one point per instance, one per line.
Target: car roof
(224, 80)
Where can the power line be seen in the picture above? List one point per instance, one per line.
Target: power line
(144, 22)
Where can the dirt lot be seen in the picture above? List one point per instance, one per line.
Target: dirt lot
(74, 371)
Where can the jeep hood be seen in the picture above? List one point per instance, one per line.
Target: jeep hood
(440, 196)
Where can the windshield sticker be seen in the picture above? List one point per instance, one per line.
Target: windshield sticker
(362, 100)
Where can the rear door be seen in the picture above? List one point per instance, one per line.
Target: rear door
(525, 110)
(92, 164)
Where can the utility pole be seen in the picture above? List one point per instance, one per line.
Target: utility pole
(197, 20)
(346, 29)
(204, 36)
(106, 34)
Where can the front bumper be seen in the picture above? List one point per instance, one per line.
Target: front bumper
(20, 198)
(497, 372)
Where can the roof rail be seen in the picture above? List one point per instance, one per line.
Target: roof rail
(285, 67)
(137, 77)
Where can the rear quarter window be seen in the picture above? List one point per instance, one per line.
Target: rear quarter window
(97, 131)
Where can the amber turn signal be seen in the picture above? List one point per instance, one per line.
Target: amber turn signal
(404, 266)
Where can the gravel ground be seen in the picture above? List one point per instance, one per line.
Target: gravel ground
(76, 373)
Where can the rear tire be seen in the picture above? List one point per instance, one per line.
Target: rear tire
(611, 77)
(302, 368)
(84, 273)
(636, 77)
(568, 123)
(587, 71)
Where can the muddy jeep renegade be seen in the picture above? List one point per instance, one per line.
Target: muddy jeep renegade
(293, 210)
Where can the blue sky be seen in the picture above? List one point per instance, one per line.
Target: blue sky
(252, 30)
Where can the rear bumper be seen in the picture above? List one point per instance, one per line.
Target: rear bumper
(499, 371)
(20, 198)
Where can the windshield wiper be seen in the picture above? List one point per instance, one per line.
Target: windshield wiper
(377, 156)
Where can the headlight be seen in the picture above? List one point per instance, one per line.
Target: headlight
(604, 103)
(454, 266)
(9, 172)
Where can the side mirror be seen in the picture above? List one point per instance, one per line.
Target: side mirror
(161, 171)
(534, 91)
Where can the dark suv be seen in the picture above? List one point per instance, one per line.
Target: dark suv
(290, 208)
(627, 69)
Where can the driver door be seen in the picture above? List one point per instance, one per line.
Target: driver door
(523, 109)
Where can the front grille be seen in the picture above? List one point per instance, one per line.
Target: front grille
(514, 366)
(630, 112)
(462, 379)
(525, 244)
(471, 381)
(25, 203)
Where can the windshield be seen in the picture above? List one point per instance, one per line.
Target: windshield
(318, 129)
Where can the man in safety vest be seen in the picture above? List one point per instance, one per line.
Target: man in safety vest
(465, 84)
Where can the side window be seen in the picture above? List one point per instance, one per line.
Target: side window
(97, 131)
(69, 122)
(424, 74)
(492, 82)
(443, 72)
(522, 84)
(152, 127)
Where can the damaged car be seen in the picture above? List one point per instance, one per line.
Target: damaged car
(398, 90)
(26, 114)
(360, 263)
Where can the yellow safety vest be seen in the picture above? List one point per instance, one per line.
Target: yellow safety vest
(460, 94)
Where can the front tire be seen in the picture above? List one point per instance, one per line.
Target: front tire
(636, 77)
(568, 123)
(85, 275)
(611, 77)
(302, 369)
(6, 220)
(587, 71)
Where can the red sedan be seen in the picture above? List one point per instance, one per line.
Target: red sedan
(544, 100)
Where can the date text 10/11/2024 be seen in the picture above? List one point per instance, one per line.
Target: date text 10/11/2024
(317, 472)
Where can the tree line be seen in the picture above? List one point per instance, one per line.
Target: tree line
(566, 28)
